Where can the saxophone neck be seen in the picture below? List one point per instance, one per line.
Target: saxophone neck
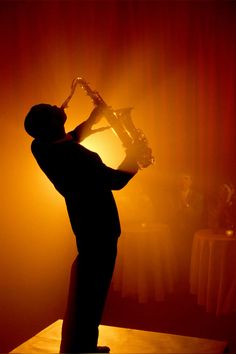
(93, 94)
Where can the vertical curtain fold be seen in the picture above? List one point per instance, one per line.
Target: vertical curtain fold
(173, 61)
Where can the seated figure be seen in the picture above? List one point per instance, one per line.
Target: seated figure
(222, 210)
(184, 216)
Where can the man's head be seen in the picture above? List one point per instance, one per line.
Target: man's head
(45, 122)
(225, 193)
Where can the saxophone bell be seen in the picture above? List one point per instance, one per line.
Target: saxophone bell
(137, 138)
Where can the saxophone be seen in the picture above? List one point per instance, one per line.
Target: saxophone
(121, 123)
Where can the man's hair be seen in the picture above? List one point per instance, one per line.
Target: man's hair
(45, 122)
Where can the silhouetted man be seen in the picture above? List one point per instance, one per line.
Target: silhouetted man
(86, 183)
(185, 218)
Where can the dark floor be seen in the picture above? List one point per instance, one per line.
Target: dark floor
(178, 314)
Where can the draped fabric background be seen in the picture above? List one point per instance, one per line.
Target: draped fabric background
(174, 62)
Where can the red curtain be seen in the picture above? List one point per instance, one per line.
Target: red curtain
(173, 61)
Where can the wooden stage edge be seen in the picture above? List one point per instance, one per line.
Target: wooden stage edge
(125, 340)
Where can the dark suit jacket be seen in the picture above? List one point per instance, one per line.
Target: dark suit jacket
(85, 182)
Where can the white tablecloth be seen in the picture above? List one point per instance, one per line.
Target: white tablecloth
(213, 271)
(145, 263)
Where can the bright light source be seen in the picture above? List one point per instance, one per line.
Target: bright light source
(106, 144)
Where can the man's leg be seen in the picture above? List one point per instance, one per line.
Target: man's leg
(91, 275)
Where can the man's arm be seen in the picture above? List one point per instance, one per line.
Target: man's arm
(84, 129)
(116, 179)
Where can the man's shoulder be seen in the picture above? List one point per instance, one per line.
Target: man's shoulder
(70, 149)
(38, 145)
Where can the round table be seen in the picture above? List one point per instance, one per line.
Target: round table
(145, 263)
(213, 271)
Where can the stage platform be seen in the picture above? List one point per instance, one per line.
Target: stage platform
(124, 340)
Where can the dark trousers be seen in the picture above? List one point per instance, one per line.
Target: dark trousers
(90, 279)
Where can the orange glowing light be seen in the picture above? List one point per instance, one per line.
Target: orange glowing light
(107, 145)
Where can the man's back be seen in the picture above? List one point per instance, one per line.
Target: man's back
(86, 183)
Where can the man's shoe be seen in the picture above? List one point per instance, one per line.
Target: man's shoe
(102, 349)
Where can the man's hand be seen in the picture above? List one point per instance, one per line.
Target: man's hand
(96, 115)
(130, 164)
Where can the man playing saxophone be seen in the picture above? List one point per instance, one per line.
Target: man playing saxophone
(86, 183)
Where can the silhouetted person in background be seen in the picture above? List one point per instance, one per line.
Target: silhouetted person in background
(85, 182)
(185, 213)
(222, 209)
